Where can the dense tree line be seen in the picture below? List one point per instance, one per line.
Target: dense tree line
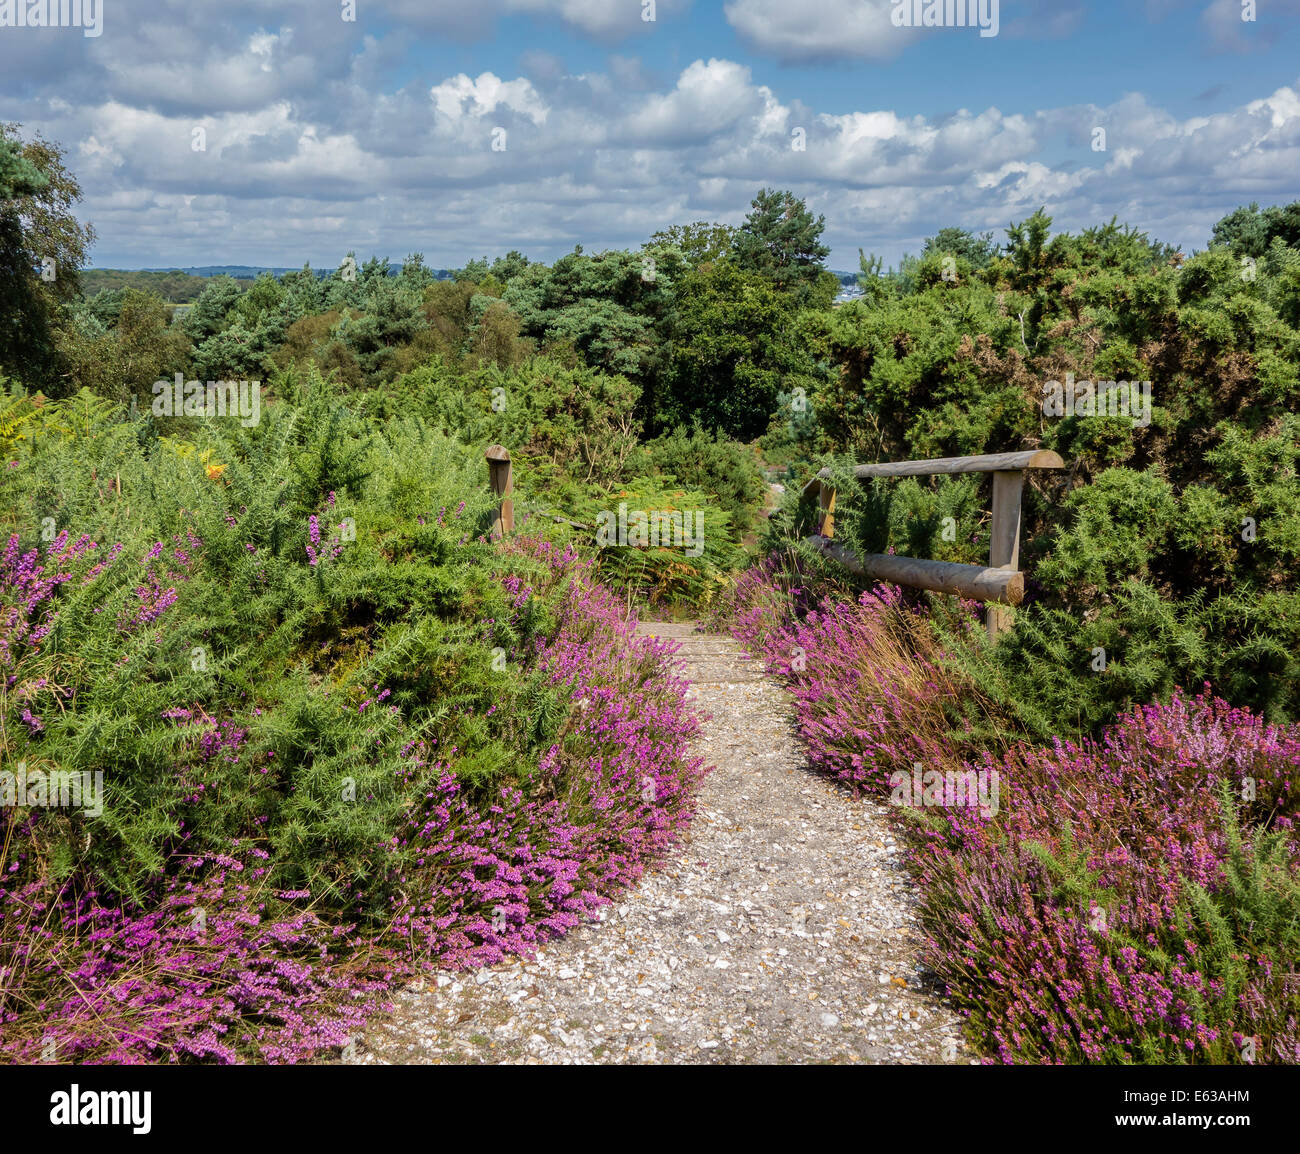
(598, 361)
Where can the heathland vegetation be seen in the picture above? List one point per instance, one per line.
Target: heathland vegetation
(344, 734)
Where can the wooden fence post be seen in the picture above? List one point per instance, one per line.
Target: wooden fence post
(826, 503)
(503, 484)
(1004, 538)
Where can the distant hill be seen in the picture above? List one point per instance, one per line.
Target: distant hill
(238, 271)
(252, 272)
(181, 285)
(173, 285)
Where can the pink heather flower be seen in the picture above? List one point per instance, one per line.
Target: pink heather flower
(313, 539)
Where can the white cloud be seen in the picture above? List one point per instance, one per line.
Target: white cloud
(826, 30)
(707, 99)
(304, 162)
(1228, 31)
(462, 97)
(600, 18)
(604, 20)
(215, 77)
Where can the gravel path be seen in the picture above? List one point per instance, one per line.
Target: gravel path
(780, 931)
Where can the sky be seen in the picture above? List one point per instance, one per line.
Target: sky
(464, 128)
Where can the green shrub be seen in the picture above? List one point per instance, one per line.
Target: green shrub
(712, 463)
(687, 572)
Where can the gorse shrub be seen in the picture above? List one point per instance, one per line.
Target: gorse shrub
(722, 468)
(328, 715)
(665, 545)
(1175, 530)
(567, 426)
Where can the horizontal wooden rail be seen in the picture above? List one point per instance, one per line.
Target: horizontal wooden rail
(992, 463)
(1001, 583)
(1004, 586)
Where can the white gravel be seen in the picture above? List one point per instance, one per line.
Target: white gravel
(780, 931)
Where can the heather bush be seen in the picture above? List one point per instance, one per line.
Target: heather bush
(1132, 898)
(342, 735)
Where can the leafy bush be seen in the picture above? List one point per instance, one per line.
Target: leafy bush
(328, 714)
(670, 547)
(722, 468)
(1171, 544)
(567, 427)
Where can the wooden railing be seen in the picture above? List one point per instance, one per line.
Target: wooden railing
(1001, 583)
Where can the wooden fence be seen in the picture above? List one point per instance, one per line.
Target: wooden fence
(1001, 583)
